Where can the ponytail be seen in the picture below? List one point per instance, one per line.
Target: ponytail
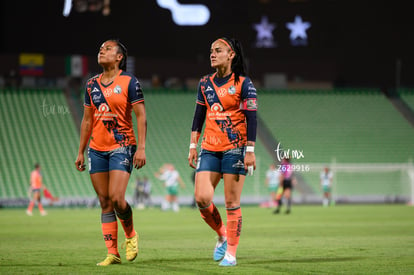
(237, 65)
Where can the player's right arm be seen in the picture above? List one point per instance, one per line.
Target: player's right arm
(193, 155)
(196, 128)
(85, 134)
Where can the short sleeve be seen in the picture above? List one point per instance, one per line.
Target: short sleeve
(87, 100)
(200, 96)
(135, 94)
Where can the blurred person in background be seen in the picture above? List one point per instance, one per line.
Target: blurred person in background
(110, 98)
(288, 181)
(139, 186)
(226, 101)
(326, 178)
(142, 193)
(172, 179)
(36, 187)
(273, 185)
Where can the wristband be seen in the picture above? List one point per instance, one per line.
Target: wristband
(193, 146)
(250, 149)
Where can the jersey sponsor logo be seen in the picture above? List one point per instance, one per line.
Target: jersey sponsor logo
(210, 97)
(137, 86)
(218, 115)
(117, 89)
(107, 92)
(222, 92)
(216, 107)
(103, 108)
(96, 98)
(209, 89)
(215, 140)
(254, 94)
(95, 90)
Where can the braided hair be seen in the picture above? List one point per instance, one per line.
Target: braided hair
(237, 65)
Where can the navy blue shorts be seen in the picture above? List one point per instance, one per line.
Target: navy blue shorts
(227, 162)
(118, 159)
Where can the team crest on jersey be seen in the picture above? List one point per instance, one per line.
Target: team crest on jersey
(216, 107)
(222, 92)
(117, 89)
(103, 108)
(232, 90)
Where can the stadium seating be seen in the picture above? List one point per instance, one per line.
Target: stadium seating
(37, 127)
(347, 126)
(343, 126)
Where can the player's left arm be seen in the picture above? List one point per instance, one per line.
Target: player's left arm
(140, 157)
(249, 107)
(136, 97)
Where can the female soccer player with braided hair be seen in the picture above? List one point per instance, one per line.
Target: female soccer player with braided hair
(110, 98)
(226, 102)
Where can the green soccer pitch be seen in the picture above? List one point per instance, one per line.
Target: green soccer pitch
(357, 239)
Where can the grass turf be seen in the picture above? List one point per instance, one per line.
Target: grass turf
(345, 239)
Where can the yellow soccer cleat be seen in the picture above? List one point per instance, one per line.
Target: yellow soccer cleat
(131, 247)
(110, 259)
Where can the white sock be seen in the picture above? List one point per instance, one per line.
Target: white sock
(175, 207)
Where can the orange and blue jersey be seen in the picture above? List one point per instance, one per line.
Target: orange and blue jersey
(225, 103)
(36, 180)
(112, 104)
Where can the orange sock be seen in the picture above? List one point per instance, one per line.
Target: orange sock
(212, 217)
(30, 207)
(40, 207)
(127, 222)
(110, 232)
(234, 225)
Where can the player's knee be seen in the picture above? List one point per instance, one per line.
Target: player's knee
(105, 202)
(203, 201)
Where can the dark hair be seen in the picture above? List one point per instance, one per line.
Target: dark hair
(237, 65)
(37, 165)
(123, 50)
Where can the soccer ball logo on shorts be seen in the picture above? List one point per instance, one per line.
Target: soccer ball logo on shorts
(103, 108)
(216, 107)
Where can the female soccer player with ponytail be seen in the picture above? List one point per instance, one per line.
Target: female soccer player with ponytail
(226, 102)
(110, 98)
